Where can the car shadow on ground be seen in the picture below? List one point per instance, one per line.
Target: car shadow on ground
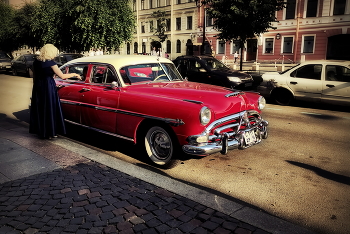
(325, 174)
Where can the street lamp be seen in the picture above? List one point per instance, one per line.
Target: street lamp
(199, 4)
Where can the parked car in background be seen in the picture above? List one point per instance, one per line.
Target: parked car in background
(326, 81)
(65, 57)
(145, 100)
(23, 64)
(5, 62)
(209, 70)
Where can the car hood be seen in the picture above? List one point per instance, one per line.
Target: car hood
(192, 92)
(229, 72)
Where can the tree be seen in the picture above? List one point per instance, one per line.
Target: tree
(243, 19)
(7, 14)
(83, 24)
(161, 25)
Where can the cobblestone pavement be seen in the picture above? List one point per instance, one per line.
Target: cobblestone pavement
(93, 198)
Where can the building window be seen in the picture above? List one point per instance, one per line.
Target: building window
(189, 22)
(178, 2)
(208, 20)
(151, 27)
(158, 3)
(269, 45)
(178, 23)
(308, 44)
(136, 48)
(221, 47)
(290, 10)
(168, 24)
(142, 4)
(168, 2)
(339, 7)
(142, 28)
(128, 48)
(178, 46)
(311, 9)
(168, 46)
(287, 45)
(134, 5)
(150, 4)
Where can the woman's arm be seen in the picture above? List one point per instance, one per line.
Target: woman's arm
(64, 76)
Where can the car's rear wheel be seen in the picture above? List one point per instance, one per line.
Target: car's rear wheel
(282, 97)
(159, 146)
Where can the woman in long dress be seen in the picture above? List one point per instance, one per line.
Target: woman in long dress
(46, 118)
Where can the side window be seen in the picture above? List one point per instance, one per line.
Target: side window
(98, 75)
(337, 73)
(110, 77)
(79, 69)
(310, 71)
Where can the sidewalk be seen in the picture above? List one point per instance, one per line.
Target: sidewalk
(59, 186)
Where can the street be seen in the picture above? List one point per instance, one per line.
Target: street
(300, 173)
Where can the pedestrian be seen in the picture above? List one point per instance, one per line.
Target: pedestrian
(235, 55)
(154, 52)
(46, 118)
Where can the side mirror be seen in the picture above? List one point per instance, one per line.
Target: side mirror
(114, 84)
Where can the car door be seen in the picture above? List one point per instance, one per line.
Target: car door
(21, 65)
(336, 86)
(197, 72)
(305, 81)
(100, 100)
(71, 91)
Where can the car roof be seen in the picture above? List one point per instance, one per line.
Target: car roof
(195, 56)
(338, 62)
(120, 60)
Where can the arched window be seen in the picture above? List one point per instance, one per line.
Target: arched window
(128, 48)
(136, 46)
(168, 46)
(178, 46)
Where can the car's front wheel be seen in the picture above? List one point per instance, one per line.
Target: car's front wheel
(159, 146)
(282, 97)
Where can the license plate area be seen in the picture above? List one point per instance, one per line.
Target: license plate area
(249, 137)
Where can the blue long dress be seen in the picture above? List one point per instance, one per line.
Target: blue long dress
(46, 118)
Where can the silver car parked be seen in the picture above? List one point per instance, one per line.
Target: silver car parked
(326, 81)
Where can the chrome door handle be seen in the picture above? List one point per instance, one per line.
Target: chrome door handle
(293, 82)
(85, 89)
(330, 85)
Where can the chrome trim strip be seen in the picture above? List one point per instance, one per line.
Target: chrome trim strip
(173, 122)
(235, 94)
(218, 130)
(99, 130)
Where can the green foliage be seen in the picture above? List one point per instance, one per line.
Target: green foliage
(161, 25)
(69, 24)
(243, 19)
(7, 14)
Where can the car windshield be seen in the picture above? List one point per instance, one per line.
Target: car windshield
(4, 55)
(31, 57)
(152, 72)
(214, 64)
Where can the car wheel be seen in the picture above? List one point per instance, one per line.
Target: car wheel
(30, 73)
(14, 72)
(282, 97)
(159, 146)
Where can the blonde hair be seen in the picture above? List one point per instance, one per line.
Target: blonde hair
(48, 52)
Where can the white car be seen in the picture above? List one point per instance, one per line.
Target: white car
(326, 81)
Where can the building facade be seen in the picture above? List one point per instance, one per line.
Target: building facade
(306, 30)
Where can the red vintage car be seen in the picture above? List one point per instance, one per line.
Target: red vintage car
(144, 99)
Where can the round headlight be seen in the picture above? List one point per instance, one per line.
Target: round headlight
(261, 103)
(205, 115)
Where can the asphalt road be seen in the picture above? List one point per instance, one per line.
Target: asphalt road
(300, 173)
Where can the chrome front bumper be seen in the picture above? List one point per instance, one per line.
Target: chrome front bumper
(221, 141)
